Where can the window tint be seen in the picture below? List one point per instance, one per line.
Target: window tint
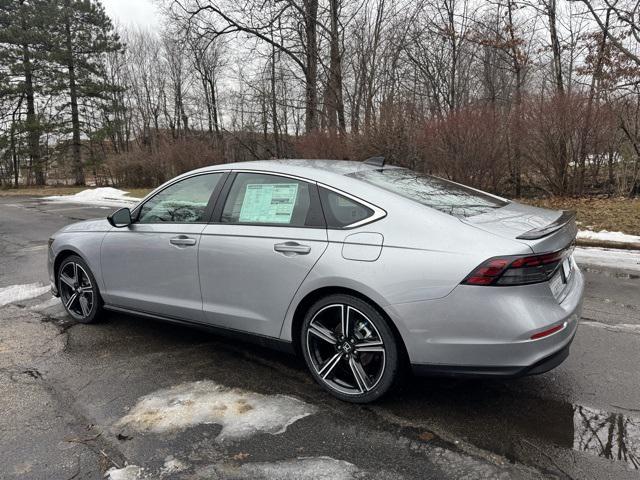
(433, 192)
(262, 199)
(182, 202)
(341, 211)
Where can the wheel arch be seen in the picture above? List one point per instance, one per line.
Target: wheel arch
(60, 257)
(310, 298)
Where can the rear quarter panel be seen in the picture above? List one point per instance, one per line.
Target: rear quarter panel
(425, 255)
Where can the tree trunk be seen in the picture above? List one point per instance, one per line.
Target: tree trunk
(586, 126)
(555, 47)
(14, 153)
(73, 95)
(214, 108)
(311, 66)
(335, 102)
(32, 121)
(274, 104)
(517, 68)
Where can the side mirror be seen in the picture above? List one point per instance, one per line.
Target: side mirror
(120, 218)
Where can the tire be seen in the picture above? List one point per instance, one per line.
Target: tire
(75, 279)
(358, 367)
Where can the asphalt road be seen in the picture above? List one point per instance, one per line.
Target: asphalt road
(71, 396)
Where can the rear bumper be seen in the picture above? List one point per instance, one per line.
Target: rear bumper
(458, 371)
(486, 331)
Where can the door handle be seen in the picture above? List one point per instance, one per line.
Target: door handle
(182, 241)
(292, 248)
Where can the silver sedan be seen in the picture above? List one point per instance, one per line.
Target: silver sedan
(362, 269)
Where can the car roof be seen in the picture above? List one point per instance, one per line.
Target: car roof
(320, 170)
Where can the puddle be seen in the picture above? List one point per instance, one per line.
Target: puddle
(614, 436)
(610, 435)
(240, 413)
(524, 429)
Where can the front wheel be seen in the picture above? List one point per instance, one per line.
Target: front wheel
(349, 348)
(78, 290)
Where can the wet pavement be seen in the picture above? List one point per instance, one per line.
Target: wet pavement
(66, 389)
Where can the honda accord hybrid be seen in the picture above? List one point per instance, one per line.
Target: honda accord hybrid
(362, 269)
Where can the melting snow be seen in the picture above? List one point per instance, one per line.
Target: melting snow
(97, 196)
(607, 236)
(52, 302)
(467, 467)
(16, 293)
(304, 468)
(239, 412)
(172, 465)
(130, 472)
(608, 257)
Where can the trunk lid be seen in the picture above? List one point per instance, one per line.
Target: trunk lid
(541, 229)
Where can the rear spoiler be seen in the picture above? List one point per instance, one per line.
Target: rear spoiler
(566, 217)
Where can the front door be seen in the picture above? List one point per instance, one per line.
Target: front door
(152, 265)
(269, 234)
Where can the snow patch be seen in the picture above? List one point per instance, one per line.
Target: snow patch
(107, 196)
(607, 236)
(240, 413)
(608, 257)
(130, 472)
(467, 467)
(16, 293)
(303, 468)
(52, 302)
(172, 465)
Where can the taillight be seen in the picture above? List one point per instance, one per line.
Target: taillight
(516, 270)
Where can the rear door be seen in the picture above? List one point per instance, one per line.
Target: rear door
(152, 265)
(267, 234)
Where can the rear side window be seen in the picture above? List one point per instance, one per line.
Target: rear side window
(261, 199)
(340, 211)
(434, 192)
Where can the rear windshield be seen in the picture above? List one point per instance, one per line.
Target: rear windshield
(448, 197)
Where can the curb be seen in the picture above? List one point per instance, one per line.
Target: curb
(583, 242)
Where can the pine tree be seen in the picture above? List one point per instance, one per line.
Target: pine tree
(85, 35)
(24, 41)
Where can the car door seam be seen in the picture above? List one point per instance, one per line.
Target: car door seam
(326, 246)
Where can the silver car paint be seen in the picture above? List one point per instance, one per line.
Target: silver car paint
(415, 277)
(143, 270)
(516, 218)
(246, 284)
(84, 239)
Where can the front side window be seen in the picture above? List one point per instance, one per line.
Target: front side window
(262, 199)
(341, 211)
(434, 192)
(183, 202)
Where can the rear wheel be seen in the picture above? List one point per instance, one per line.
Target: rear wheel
(78, 290)
(349, 348)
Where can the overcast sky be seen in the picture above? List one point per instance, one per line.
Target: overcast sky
(139, 13)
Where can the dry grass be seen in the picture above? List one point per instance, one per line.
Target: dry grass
(613, 214)
(47, 191)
